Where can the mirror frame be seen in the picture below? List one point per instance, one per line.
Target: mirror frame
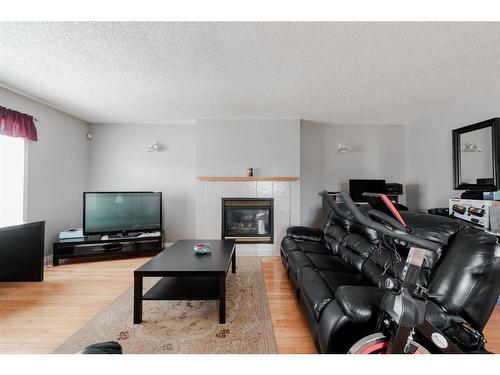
(494, 123)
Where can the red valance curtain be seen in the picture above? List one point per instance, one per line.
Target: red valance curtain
(17, 124)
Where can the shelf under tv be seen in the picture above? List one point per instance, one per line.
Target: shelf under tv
(93, 246)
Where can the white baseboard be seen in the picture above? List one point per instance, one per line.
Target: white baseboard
(47, 260)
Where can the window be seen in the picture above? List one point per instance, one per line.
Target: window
(11, 179)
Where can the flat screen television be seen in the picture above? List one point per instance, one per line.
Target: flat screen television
(121, 212)
(360, 186)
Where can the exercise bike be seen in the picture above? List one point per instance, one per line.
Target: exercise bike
(402, 327)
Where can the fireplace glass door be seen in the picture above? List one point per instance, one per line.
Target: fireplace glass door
(248, 220)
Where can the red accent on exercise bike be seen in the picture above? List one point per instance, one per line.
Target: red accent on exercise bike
(377, 348)
(381, 348)
(392, 208)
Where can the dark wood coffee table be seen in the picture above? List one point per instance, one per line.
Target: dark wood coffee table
(186, 275)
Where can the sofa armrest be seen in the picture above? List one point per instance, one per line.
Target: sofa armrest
(359, 302)
(305, 233)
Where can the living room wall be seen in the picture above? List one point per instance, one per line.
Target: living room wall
(118, 160)
(429, 157)
(56, 166)
(63, 163)
(376, 151)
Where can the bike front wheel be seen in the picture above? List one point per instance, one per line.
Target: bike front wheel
(378, 343)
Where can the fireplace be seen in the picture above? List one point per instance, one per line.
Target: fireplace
(248, 220)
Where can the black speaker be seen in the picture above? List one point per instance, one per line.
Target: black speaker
(394, 188)
(472, 194)
(21, 252)
(440, 211)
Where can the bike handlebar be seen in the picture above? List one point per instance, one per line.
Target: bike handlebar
(354, 214)
(380, 216)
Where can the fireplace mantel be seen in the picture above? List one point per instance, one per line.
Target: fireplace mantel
(245, 178)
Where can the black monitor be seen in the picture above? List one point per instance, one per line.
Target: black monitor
(360, 186)
(115, 212)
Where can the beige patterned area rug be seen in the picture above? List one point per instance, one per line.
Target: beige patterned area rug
(188, 326)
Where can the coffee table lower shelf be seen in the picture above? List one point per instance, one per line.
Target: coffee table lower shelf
(184, 288)
(181, 288)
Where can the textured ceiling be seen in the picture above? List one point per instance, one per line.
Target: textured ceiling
(345, 73)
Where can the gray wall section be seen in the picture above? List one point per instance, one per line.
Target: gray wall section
(119, 161)
(376, 152)
(429, 156)
(64, 163)
(228, 147)
(56, 166)
(270, 146)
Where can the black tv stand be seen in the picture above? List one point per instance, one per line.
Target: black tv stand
(124, 235)
(112, 247)
(93, 246)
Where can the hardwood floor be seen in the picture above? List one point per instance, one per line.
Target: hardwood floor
(37, 317)
(290, 327)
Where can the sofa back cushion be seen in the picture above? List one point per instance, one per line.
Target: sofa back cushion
(352, 227)
(334, 233)
(367, 251)
(355, 249)
(432, 227)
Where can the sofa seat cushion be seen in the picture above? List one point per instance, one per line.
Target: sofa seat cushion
(313, 247)
(329, 263)
(375, 273)
(297, 260)
(314, 291)
(334, 280)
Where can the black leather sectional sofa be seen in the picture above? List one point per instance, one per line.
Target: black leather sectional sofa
(339, 272)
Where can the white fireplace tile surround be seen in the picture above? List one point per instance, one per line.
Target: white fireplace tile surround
(209, 210)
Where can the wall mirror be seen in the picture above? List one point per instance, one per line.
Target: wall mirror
(476, 156)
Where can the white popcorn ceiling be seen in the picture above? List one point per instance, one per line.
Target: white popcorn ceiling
(344, 73)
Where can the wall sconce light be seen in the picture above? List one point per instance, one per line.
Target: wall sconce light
(154, 147)
(472, 146)
(343, 148)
